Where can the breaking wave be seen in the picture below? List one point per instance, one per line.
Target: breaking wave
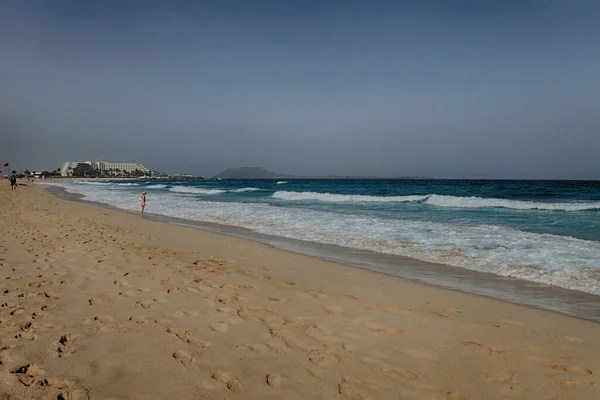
(243, 190)
(439, 201)
(480, 202)
(342, 198)
(194, 190)
(92, 183)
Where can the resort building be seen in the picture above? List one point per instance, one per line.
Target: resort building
(104, 167)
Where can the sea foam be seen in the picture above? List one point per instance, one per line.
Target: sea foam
(438, 201)
(480, 202)
(195, 190)
(92, 183)
(342, 198)
(244, 190)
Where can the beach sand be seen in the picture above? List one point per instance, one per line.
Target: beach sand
(103, 304)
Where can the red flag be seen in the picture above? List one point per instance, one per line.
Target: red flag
(6, 164)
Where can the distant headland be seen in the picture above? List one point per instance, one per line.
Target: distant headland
(261, 173)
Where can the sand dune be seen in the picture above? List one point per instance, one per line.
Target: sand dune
(100, 304)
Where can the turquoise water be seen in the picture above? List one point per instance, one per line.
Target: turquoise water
(543, 231)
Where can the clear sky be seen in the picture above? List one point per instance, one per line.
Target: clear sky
(450, 89)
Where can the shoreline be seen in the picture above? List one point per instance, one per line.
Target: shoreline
(521, 292)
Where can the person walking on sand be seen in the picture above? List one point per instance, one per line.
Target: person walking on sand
(143, 201)
(13, 182)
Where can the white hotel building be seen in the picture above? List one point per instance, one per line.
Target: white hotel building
(102, 166)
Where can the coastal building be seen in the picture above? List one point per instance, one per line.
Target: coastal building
(104, 167)
(67, 168)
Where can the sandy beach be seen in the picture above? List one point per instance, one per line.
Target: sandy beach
(103, 304)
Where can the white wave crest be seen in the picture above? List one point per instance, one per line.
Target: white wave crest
(194, 190)
(156, 186)
(243, 190)
(438, 201)
(128, 184)
(480, 202)
(282, 182)
(92, 183)
(343, 198)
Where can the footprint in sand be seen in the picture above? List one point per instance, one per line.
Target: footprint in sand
(381, 328)
(26, 326)
(335, 311)
(73, 395)
(184, 335)
(184, 357)
(490, 350)
(500, 377)
(94, 301)
(352, 347)
(25, 335)
(139, 319)
(323, 360)
(351, 388)
(388, 369)
(177, 314)
(419, 354)
(567, 368)
(274, 380)
(103, 319)
(65, 345)
(575, 382)
(228, 380)
(51, 295)
(29, 374)
(257, 348)
(278, 346)
(455, 395)
(219, 327)
(222, 299)
(279, 299)
(436, 313)
(145, 303)
(57, 383)
(5, 356)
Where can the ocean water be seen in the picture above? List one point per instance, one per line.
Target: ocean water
(542, 231)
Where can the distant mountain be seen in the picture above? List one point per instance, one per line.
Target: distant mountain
(249, 173)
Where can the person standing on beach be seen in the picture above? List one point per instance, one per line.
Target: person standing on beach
(13, 182)
(143, 201)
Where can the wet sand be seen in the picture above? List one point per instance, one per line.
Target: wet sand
(102, 304)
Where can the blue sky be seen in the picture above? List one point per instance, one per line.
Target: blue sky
(451, 89)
